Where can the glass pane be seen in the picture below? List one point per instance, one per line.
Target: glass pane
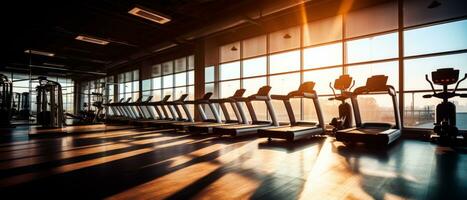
(167, 67)
(180, 79)
(382, 17)
(180, 64)
(191, 92)
(322, 31)
(322, 78)
(230, 52)
(135, 75)
(284, 39)
(283, 84)
(135, 86)
(376, 108)
(252, 85)
(191, 62)
(438, 38)
(209, 74)
(360, 73)
(157, 95)
(330, 109)
(156, 83)
(168, 81)
(229, 70)
(254, 46)
(254, 67)
(322, 56)
(128, 87)
(284, 62)
(372, 48)
(146, 84)
(209, 87)
(417, 12)
(128, 76)
(121, 77)
(191, 77)
(415, 70)
(179, 92)
(419, 112)
(168, 91)
(156, 70)
(228, 88)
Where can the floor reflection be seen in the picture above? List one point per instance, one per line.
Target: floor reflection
(148, 163)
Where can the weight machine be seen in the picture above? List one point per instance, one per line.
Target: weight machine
(6, 89)
(49, 104)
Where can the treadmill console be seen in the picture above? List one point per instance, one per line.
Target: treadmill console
(239, 93)
(445, 76)
(307, 87)
(166, 98)
(207, 96)
(343, 82)
(264, 91)
(377, 83)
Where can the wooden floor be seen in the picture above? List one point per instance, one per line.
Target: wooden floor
(121, 162)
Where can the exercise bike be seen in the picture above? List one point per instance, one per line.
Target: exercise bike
(445, 125)
(344, 83)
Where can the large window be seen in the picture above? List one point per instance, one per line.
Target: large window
(128, 85)
(362, 43)
(174, 78)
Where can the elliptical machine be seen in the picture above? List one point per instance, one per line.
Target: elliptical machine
(445, 126)
(344, 83)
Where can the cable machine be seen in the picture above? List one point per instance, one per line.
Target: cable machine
(49, 104)
(6, 89)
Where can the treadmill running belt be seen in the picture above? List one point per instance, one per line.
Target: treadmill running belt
(374, 131)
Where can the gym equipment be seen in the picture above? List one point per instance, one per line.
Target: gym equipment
(49, 104)
(344, 84)
(176, 115)
(204, 100)
(372, 133)
(208, 127)
(296, 130)
(6, 95)
(445, 126)
(245, 128)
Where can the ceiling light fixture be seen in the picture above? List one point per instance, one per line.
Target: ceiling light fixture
(53, 64)
(36, 52)
(233, 48)
(149, 15)
(92, 40)
(287, 36)
(164, 48)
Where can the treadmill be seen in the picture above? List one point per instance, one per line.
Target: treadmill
(204, 100)
(297, 129)
(370, 132)
(141, 110)
(250, 128)
(208, 127)
(160, 115)
(174, 111)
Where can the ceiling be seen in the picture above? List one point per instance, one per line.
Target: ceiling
(52, 27)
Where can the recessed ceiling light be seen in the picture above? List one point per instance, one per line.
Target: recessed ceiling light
(149, 15)
(54, 65)
(91, 40)
(165, 47)
(42, 53)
